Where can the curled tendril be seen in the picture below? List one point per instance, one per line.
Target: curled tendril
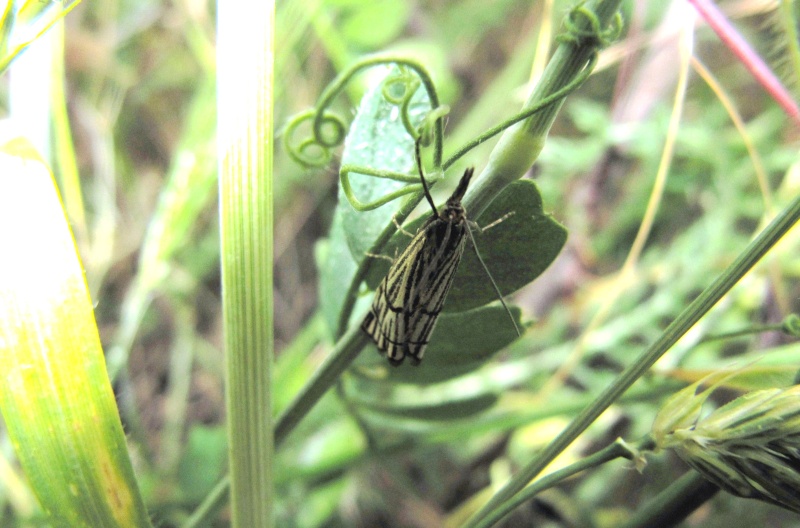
(400, 87)
(582, 28)
(791, 325)
(427, 129)
(328, 130)
(358, 205)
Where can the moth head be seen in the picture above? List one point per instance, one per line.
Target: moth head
(453, 210)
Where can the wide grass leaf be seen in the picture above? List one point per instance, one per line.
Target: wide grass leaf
(55, 394)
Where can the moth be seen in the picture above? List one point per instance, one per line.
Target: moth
(409, 299)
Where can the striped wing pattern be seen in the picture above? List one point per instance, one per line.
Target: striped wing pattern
(408, 300)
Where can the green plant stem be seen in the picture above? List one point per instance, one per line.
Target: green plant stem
(675, 503)
(245, 59)
(611, 452)
(526, 113)
(697, 309)
(519, 147)
(346, 350)
(214, 501)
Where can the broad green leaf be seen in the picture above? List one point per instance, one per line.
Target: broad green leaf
(203, 461)
(461, 342)
(516, 251)
(377, 139)
(55, 394)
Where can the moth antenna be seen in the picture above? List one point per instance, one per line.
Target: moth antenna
(494, 284)
(422, 177)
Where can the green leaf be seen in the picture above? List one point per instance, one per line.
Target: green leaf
(516, 251)
(461, 342)
(55, 394)
(447, 410)
(377, 139)
(203, 461)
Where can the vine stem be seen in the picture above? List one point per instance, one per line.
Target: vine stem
(345, 351)
(572, 62)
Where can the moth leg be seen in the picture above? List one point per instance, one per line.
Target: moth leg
(495, 223)
(400, 228)
(382, 257)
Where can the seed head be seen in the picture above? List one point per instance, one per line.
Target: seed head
(749, 447)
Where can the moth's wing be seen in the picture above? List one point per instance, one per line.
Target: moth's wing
(387, 321)
(444, 247)
(408, 300)
(437, 264)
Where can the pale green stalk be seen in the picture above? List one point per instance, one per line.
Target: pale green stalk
(520, 145)
(245, 56)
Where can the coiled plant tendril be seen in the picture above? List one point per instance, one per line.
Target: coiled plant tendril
(587, 32)
(328, 129)
(317, 150)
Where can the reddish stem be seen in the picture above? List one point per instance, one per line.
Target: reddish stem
(739, 46)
